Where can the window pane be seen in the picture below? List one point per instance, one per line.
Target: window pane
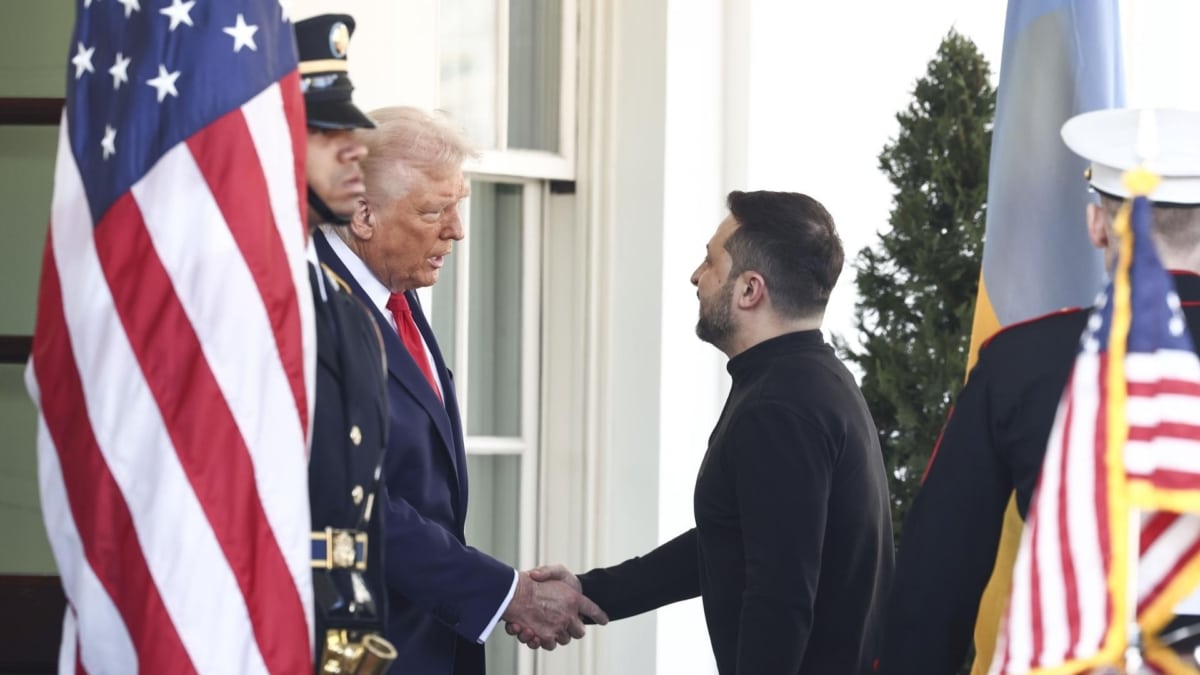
(26, 181)
(494, 351)
(534, 63)
(493, 526)
(442, 314)
(20, 513)
(468, 66)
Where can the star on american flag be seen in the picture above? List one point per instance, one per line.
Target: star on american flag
(131, 6)
(164, 83)
(83, 60)
(178, 12)
(109, 143)
(120, 70)
(242, 34)
(174, 275)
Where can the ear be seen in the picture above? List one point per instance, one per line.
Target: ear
(751, 290)
(1098, 225)
(362, 221)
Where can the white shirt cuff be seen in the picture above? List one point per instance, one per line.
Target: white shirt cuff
(499, 612)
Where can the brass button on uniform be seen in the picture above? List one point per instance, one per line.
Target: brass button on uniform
(355, 435)
(357, 494)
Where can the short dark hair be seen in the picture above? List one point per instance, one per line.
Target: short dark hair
(789, 239)
(1177, 226)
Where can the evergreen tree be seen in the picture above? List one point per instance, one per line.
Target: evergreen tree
(917, 283)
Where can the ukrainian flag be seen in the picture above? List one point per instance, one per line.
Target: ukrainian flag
(1061, 58)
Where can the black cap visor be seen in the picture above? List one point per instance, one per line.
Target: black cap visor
(336, 115)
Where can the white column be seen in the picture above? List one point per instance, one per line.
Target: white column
(693, 381)
(620, 204)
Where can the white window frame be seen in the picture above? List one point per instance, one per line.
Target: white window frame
(526, 445)
(534, 170)
(517, 163)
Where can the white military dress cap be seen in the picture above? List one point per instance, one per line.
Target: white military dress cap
(1166, 141)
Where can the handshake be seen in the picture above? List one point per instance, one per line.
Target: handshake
(548, 608)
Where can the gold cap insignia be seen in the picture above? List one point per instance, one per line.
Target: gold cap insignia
(339, 40)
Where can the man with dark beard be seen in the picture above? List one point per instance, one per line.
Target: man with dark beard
(792, 549)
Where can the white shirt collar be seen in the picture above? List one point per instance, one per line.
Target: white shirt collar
(375, 290)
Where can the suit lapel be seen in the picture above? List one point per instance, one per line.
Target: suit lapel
(401, 366)
(450, 407)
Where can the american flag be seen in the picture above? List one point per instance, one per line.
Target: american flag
(1125, 443)
(171, 356)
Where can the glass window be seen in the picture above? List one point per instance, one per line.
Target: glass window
(26, 183)
(20, 513)
(501, 71)
(494, 341)
(534, 71)
(494, 526)
(483, 309)
(468, 66)
(442, 316)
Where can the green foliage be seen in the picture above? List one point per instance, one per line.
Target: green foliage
(917, 283)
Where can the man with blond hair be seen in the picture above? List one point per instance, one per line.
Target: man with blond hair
(444, 597)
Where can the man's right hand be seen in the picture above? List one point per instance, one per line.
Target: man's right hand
(546, 608)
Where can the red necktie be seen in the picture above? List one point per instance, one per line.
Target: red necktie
(410, 335)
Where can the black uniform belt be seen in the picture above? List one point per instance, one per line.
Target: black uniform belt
(339, 549)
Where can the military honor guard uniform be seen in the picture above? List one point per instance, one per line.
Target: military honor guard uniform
(996, 436)
(350, 415)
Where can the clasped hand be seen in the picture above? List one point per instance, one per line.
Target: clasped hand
(548, 607)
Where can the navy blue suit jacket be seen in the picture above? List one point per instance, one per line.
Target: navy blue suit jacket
(441, 592)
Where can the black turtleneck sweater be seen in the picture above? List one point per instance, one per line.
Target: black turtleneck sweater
(792, 549)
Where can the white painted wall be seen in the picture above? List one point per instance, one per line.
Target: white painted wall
(693, 381)
(634, 193)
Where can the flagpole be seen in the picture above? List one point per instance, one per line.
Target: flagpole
(1133, 636)
(1147, 149)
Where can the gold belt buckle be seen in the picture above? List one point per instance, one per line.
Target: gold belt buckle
(341, 549)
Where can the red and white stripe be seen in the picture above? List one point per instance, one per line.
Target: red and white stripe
(1168, 542)
(1060, 605)
(1163, 450)
(173, 371)
(1164, 431)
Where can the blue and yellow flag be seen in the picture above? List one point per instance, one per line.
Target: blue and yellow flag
(1061, 58)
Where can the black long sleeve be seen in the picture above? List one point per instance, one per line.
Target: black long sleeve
(667, 574)
(784, 466)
